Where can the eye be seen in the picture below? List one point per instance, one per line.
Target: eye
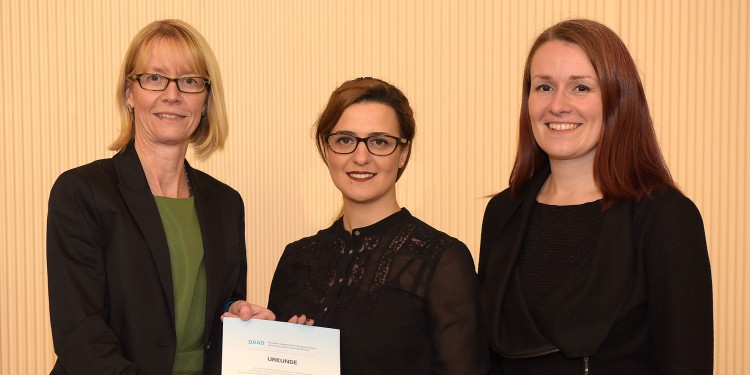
(191, 81)
(153, 77)
(344, 140)
(582, 88)
(543, 88)
(381, 142)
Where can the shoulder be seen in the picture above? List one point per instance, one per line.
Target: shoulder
(505, 202)
(82, 192)
(499, 202)
(499, 210)
(665, 207)
(451, 266)
(94, 170)
(97, 173)
(426, 240)
(208, 182)
(669, 221)
(429, 233)
(305, 243)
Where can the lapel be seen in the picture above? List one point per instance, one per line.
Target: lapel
(516, 333)
(131, 181)
(210, 219)
(507, 230)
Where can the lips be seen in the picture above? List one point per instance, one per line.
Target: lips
(361, 176)
(169, 116)
(563, 126)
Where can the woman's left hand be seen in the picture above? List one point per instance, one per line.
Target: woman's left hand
(246, 311)
(301, 319)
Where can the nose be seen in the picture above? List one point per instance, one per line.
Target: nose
(560, 102)
(361, 154)
(171, 93)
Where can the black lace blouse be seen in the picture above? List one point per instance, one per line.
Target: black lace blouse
(403, 294)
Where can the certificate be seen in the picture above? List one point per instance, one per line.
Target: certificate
(264, 347)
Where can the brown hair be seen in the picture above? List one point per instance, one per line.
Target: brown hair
(366, 90)
(628, 163)
(211, 133)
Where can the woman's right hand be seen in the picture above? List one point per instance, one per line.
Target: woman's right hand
(246, 311)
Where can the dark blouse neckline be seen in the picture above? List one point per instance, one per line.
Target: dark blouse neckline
(383, 226)
(579, 205)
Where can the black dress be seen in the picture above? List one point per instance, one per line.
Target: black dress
(403, 294)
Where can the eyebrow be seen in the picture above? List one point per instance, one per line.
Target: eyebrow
(581, 77)
(349, 132)
(547, 77)
(161, 70)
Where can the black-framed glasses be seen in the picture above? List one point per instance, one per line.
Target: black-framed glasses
(158, 82)
(379, 144)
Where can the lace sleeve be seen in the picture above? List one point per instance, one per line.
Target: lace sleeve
(454, 312)
(279, 293)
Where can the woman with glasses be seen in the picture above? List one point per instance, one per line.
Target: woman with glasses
(403, 294)
(592, 261)
(144, 252)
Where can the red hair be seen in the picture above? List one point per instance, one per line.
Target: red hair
(628, 163)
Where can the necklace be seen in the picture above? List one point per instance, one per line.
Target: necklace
(190, 186)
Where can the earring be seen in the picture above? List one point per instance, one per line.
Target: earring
(129, 108)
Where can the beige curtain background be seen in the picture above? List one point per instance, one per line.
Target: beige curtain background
(458, 61)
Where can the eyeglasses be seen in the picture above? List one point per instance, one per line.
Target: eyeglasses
(379, 145)
(158, 82)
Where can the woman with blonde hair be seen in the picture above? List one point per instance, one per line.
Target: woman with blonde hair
(144, 252)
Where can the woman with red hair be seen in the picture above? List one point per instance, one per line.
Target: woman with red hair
(592, 260)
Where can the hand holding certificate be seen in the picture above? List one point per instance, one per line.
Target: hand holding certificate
(264, 347)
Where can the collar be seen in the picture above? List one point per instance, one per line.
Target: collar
(377, 229)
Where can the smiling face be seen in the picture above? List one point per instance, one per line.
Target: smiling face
(166, 117)
(565, 102)
(362, 177)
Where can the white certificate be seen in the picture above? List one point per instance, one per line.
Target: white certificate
(264, 347)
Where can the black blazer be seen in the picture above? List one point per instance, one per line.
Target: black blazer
(640, 302)
(110, 281)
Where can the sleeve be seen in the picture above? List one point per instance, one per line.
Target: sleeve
(84, 343)
(489, 223)
(280, 288)
(679, 287)
(239, 291)
(455, 315)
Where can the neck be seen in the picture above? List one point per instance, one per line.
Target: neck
(358, 215)
(165, 170)
(570, 182)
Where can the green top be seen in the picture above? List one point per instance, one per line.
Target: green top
(180, 221)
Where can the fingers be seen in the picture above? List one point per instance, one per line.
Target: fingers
(245, 311)
(227, 315)
(298, 319)
(301, 319)
(257, 312)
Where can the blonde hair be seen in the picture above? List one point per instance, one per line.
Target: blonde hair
(211, 133)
